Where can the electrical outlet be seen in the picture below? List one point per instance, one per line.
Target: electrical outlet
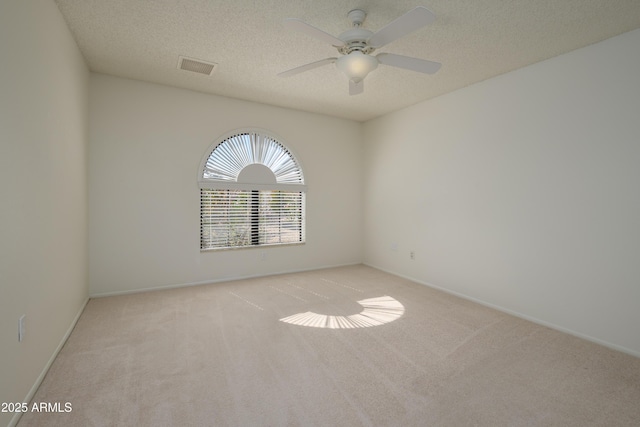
(21, 328)
(394, 247)
(263, 256)
(412, 255)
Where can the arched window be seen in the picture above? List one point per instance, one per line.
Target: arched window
(252, 193)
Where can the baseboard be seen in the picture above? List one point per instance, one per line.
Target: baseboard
(212, 281)
(36, 385)
(514, 313)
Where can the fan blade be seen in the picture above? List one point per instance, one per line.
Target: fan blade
(356, 88)
(407, 23)
(306, 67)
(303, 27)
(409, 63)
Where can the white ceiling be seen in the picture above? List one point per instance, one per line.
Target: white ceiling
(473, 39)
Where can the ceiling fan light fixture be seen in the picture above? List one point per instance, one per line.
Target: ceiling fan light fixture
(356, 65)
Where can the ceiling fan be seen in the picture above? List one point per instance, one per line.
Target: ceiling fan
(357, 44)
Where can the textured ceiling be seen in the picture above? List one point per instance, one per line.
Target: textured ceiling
(473, 39)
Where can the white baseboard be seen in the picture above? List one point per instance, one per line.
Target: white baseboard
(34, 388)
(212, 281)
(515, 313)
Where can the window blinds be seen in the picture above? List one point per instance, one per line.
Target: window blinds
(234, 153)
(240, 218)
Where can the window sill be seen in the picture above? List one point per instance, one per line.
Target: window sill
(235, 248)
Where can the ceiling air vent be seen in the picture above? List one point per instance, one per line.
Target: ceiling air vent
(195, 65)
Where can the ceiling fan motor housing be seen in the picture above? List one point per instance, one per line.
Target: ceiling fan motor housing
(355, 39)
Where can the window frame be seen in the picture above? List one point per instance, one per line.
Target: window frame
(255, 188)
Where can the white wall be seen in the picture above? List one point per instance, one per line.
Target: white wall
(43, 190)
(521, 192)
(147, 142)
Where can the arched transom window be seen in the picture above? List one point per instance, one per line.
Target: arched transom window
(252, 193)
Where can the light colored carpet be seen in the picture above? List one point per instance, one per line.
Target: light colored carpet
(219, 355)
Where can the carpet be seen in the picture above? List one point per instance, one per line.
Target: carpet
(344, 346)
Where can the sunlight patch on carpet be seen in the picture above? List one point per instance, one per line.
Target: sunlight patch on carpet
(377, 311)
